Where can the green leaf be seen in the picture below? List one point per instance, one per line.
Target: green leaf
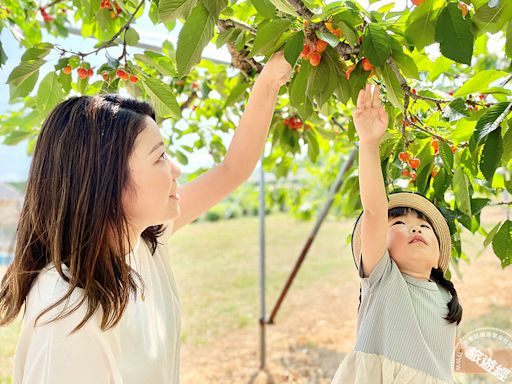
(461, 190)
(508, 43)
(49, 93)
(328, 37)
(480, 82)
(215, 7)
(486, 123)
(23, 71)
(161, 63)
(265, 8)
(348, 33)
(491, 154)
(169, 10)
(493, 19)
(3, 55)
(502, 243)
(14, 137)
(507, 146)
(395, 93)
(406, 64)
(237, 92)
(491, 234)
(284, 6)
(453, 33)
(377, 44)
(268, 35)
(456, 110)
(194, 36)
(299, 93)
(131, 36)
(39, 51)
(446, 155)
(23, 78)
(162, 98)
(421, 23)
(293, 48)
(441, 183)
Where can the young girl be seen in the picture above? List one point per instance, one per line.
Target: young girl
(408, 313)
(92, 266)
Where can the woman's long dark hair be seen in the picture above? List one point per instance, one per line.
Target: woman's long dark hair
(454, 308)
(72, 213)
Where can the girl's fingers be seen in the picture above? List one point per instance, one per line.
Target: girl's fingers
(376, 96)
(360, 99)
(368, 96)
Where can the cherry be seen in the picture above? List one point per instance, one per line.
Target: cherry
(367, 66)
(349, 71)
(104, 74)
(306, 51)
(406, 173)
(122, 74)
(418, 2)
(404, 156)
(82, 72)
(66, 70)
(90, 72)
(320, 46)
(414, 163)
(133, 79)
(463, 8)
(315, 58)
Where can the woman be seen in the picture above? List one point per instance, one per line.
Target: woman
(92, 261)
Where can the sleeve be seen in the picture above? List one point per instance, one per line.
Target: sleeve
(52, 355)
(379, 273)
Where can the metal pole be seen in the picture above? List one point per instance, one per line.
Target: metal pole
(262, 266)
(334, 189)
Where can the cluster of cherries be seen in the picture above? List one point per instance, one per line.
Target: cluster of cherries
(105, 4)
(84, 73)
(414, 163)
(295, 123)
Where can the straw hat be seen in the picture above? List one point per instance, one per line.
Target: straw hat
(422, 204)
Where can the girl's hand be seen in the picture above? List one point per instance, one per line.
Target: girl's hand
(277, 69)
(370, 118)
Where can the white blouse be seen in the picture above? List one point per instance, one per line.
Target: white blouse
(142, 348)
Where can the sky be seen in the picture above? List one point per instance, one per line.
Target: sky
(14, 162)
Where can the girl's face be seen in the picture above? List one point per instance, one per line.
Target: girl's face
(150, 197)
(410, 254)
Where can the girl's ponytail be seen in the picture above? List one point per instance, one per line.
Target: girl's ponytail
(454, 307)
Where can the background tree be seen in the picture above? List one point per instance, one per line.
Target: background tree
(449, 136)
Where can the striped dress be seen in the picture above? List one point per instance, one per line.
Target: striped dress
(402, 336)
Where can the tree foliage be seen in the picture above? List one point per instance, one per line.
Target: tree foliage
(447, 93)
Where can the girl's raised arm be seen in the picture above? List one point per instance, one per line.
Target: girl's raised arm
(371, 120)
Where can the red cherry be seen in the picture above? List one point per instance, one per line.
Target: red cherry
(367, 66)
(418, 2)
(305, 51)
(104, 74)
(82, 72)
(66, 70)
(90, 72)
(414, 163)
(453, 148)
(133, 79)
(320, 46)
(404, 156)
(349, 71)
(315, 58)
(406, 173)
(122, 74)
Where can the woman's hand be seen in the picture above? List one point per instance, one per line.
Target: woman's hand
(277, 70)
(370, 118)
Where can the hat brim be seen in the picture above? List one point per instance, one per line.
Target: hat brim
(422, 204)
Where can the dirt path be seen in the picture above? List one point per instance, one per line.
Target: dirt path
(318, 329)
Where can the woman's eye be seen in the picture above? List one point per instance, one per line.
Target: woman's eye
(163, 156)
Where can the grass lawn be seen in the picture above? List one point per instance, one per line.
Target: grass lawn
(217, 268)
